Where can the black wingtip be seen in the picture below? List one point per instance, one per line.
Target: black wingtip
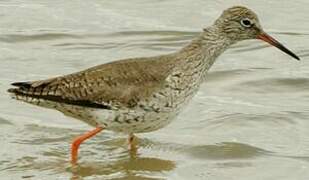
(22, 84)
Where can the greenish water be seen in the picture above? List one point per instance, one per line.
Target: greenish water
(249, 120)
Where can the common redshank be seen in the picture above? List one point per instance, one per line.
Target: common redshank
(139, 95)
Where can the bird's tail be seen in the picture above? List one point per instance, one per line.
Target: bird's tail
(22, 91)
(30, 92)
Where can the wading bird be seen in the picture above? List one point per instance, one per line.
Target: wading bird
(144, 94)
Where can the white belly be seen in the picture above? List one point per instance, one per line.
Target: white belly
(133, 121)
(139, 120)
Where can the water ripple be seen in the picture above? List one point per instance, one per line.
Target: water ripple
(273, 85)
(225, 150)
(18, 38)
(290, 33)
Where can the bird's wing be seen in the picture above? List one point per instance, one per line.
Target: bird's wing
(122, 83)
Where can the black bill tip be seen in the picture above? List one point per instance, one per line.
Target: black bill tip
(267, 38)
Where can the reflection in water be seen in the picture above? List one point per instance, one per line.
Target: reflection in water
(111, 160)
(102, 157)
(131, 168)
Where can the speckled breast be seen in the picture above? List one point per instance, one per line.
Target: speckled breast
(153, 113)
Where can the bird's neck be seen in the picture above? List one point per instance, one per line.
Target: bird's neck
(202, 52)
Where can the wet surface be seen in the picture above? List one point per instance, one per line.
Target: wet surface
(248, 121)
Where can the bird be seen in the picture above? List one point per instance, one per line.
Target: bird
(144, 94)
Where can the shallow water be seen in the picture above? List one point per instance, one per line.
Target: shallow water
(248, 121)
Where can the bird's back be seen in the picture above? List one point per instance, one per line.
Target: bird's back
(120, 83)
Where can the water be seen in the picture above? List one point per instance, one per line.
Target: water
(248, 121)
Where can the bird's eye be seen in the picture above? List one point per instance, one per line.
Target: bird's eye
(246, 22)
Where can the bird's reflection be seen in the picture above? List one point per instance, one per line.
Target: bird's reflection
(107, 158)
(131, 168)
(130, 165)
(110, 159)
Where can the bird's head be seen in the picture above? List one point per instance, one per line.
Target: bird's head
(240, 23)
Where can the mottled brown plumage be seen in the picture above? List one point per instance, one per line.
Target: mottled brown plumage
(142, 94)
(120, 83)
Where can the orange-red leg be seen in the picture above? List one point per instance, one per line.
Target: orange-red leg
(131, 145)
(77, 141)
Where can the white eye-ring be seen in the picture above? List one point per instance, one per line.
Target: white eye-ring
(246, 22)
